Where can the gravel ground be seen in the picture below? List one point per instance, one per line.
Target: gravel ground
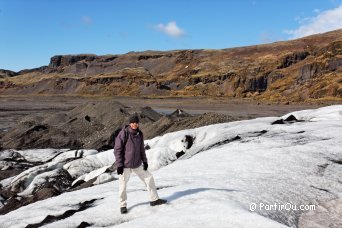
(13, 108)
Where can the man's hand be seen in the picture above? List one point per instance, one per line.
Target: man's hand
(145, 165)
(120, 170)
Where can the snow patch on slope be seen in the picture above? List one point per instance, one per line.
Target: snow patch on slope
(232, 165)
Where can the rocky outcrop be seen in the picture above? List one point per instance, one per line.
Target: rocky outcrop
(292, 58)
(7, 73)
(42, 69)
(257, 84)
(308, 71)
(60, 61)
(281, 72)
(329, 61)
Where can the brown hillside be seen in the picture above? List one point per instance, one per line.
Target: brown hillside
(306, 69)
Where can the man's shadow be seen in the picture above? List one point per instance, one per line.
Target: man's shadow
(184, 193)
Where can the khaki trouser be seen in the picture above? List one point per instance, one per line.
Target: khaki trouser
(145, 176)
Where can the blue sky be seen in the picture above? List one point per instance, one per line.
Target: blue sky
(32, 31)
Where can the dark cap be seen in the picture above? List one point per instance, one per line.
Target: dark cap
(133, 119)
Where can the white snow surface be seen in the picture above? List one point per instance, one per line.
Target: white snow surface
(40, 155)
(90, 163)
(216, 180)
(25, 178)
(39, 180)
(95, 173)
(104, 178)
(74, 154)
(32, 178)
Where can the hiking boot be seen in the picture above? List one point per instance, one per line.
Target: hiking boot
(123, 210)
(158, 202)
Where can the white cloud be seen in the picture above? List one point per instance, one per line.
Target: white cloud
(325, 21)
(171, 29)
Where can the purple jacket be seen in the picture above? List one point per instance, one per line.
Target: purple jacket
(133, 154)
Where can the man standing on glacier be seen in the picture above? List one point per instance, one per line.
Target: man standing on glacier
(130, 157)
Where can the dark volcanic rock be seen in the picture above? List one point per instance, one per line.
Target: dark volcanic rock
(309, 71)
(290, 119)
(86, 126)
(168, 124)
(92, 125)
(42, 69)
(9, 173)
(148, 112)
(67, 60)
(16, 202)
(179, 113)
(334, 64)
(257, 84)
(293, 58)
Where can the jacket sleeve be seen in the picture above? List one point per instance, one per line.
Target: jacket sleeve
(142, 149)
(119, 149)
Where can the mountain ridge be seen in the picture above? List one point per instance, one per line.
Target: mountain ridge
(301, 70)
